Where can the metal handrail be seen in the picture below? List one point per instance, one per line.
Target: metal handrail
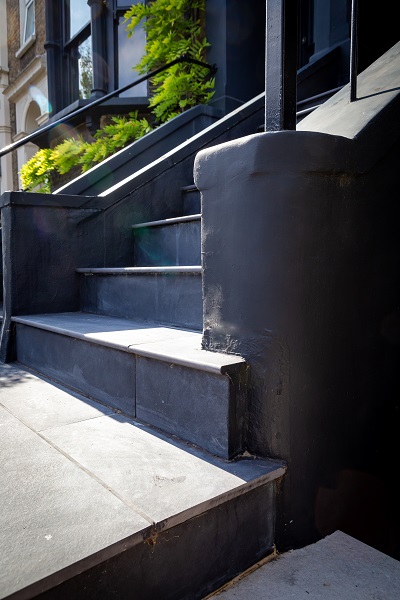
(28, 138)
(213, 70)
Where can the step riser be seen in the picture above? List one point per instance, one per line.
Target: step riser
(188, 561)
(203, 408)
(191, 202)
(165, 298)
(105, 374)
(173, 244)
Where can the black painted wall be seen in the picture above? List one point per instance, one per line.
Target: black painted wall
(301, 257)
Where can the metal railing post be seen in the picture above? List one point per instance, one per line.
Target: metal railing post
(280, 65)
(353, 50)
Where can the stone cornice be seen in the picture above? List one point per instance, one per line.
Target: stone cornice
(26, 78)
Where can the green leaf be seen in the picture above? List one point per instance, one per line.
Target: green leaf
(173, 28)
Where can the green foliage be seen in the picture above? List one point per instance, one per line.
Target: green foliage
(113, 137)
(173, 28)
(35, 174)
(74, 151)
(67, 154)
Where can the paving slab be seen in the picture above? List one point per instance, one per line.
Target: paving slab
(79, 483)
(337, 567)
(53, 514)
(48, 406)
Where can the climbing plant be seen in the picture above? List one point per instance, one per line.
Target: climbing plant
(173, 28)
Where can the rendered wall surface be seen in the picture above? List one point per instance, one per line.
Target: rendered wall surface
(301, 256)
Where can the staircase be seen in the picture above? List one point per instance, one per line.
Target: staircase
(133, 349)
(135, 342)
(107, 306)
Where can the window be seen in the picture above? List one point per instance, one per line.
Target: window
(95, 55)
(77, 50)
(29, 20)
(129, 52)
(77, 16)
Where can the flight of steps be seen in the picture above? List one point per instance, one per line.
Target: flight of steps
(135, 344)
(174, 413)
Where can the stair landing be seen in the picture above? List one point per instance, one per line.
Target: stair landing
(92, 500)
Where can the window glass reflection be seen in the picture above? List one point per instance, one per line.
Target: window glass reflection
(29, 20)
(85, 68)
(79, 16)
(130, 51)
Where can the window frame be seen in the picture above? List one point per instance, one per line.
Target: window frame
(71, 53)
(62, 57)
(29, 4)
(118, 12)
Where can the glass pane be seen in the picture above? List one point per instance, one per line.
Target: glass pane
(79, 16)
(85, 69)
(130, 51)
(29, 20)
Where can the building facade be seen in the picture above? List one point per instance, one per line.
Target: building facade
(24, 105)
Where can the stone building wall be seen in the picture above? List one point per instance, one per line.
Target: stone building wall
(26, 92)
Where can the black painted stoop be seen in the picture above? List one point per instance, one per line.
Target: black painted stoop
(107, 305)
(133, 347)
(135, 342)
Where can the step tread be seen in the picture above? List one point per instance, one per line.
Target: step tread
(190, 188)
(140, 270)
(124, 482)
(170, 221)
(152, 340)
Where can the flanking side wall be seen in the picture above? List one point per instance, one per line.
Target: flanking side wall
(43, 242)
(301, 257)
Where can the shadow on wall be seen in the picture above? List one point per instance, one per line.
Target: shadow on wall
(363, 506)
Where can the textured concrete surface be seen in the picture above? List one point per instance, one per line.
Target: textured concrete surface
(80, 482)
(337, 567)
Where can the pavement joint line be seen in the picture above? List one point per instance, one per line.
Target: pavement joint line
(81, 467)
(96, 478)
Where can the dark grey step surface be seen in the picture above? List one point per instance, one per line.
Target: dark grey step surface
(170, 294)
(174, 241)
(103, 507)
(157, 374)
(191, 199)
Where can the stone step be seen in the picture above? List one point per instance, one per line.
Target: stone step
(96, 505)
(159, 375)
(170, 294)
(174, 241)
(191, 199)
